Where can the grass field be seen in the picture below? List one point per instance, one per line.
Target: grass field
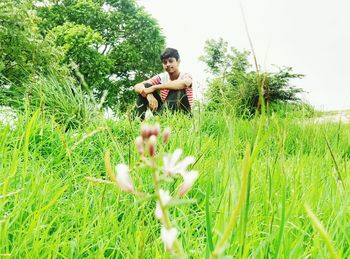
(268, 187)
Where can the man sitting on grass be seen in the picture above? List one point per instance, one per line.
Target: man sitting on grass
(169, 90)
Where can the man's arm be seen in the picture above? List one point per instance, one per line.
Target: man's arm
(178, 84)
(152, 102)
(138, 88)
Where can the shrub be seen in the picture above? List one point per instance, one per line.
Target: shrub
(236, 87)
(63, 99)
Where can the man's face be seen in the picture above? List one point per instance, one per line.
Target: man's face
(171, 65)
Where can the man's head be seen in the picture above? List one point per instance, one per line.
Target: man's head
(170, 59)
(170, 53)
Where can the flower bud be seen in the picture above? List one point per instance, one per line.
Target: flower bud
(145, 131)
(152, 145)
(123, 178)
(155, 129)
(166, 135)
(139, 144)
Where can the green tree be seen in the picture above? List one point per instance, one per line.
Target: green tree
(119, 44)
(220, 60)
(236, 86)
(75, 42)
(23, 50)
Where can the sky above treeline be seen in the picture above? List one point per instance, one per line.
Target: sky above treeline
(311, 36)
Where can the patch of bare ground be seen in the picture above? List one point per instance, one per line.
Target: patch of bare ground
(334, 116)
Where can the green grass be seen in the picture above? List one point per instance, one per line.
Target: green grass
(49, 210)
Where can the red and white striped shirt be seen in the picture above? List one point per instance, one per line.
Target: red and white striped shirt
(164, 78)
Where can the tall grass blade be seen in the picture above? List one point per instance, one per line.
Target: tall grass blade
(221, 244)
(321, 230)
(282, 224)
(245, 213)
(339, 178)
(208, 224)
(26, 139)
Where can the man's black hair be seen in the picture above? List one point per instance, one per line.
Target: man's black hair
(170, 53)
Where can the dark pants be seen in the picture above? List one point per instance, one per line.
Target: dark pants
(176, 101)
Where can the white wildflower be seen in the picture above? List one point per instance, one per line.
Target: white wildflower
(189, 179)
(165, 198)
(172, 166)
(123, 178)
(168, 236)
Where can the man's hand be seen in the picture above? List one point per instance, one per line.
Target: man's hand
(139, 88)
(152, 101)
(148, 90)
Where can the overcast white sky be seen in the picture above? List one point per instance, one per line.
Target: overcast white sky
(312, 36)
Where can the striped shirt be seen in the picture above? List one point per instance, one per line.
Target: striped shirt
(164, 78)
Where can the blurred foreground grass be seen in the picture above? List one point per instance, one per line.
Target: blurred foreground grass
(49, 210)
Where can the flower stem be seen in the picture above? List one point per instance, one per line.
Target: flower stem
(166, 219)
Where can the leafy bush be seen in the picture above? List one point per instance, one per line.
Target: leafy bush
(298, 110)
(236, 87)
(65, 100)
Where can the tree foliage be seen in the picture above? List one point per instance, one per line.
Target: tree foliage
(23, 50)
(236, 85)
(105, 44)
(220, 60)
(75, 42)
(115, 43)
